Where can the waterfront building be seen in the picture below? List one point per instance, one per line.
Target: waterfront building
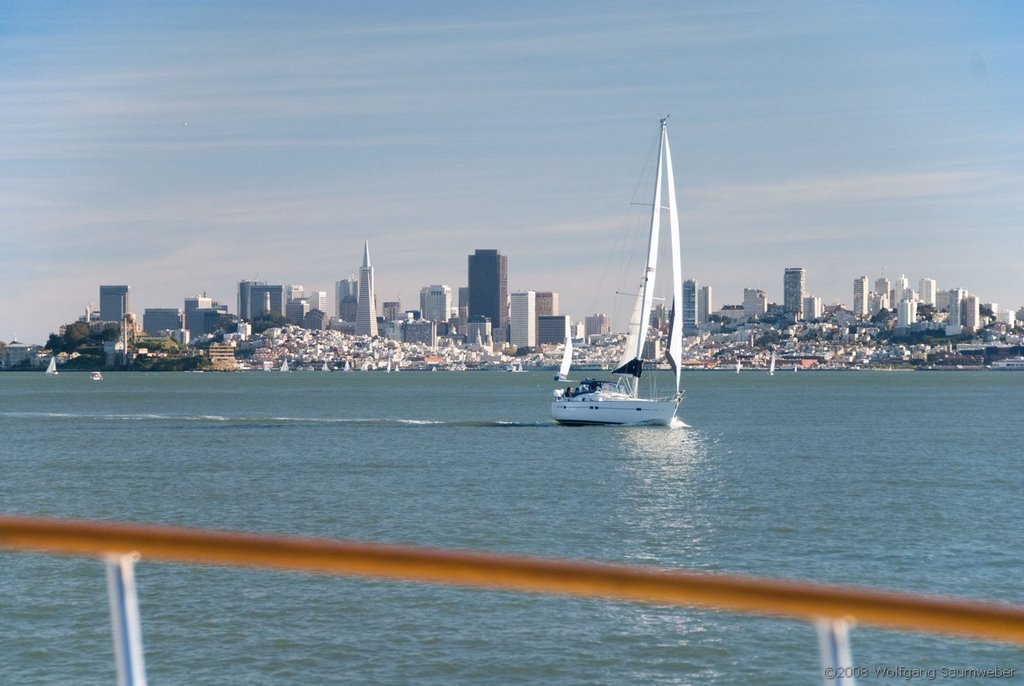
(552, 329)
(114, 303)
(436, 302)
(794, 290)
(906, 313)
(366, 309)
(488, 287)
(157, 319)
(755, 303)
(689, 309)
(523, 319)
(860, 296)
(596, 325)
(928, 291)
(705, 304)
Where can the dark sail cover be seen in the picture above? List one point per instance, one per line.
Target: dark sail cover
(634, 367)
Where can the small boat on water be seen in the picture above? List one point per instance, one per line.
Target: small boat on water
(96, 376)
(52, 368)
(619, 402)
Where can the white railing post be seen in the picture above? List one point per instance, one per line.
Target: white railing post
(124, 620)
(834, 646)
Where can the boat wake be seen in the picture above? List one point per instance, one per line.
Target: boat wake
(262, 422)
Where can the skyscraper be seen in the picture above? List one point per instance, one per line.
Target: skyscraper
(113, 303)
(523, 322)
(547, 304)
(488, 287)
(366, 309)
(689, 308)
(346, 299)
(705, 304)
(755, 303)
(596, 325)
(794, 290)
(928, 290)
(860, 296)
(436, 302)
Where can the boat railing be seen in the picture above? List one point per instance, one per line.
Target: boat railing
(832, 608)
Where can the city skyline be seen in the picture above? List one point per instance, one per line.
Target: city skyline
(181, 149)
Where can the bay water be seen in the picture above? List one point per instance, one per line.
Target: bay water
(904, 481)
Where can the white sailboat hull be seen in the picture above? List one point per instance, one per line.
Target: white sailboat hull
(622, 411)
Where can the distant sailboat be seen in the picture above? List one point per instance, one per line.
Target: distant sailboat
(284, 366)
(739, 366)
(563, 369)
(325, 368)
(52, 368)
(771, 367)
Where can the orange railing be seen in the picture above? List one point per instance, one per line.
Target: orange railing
(965, 618)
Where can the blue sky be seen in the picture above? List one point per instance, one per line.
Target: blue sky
(183, 146)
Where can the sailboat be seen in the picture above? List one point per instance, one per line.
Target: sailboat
(52, 368)
(563, 369)
(284, 366)
(619, 402)
(771, 366)
(325, 368)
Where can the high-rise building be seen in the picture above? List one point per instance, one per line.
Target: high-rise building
(596, 325)
(755, 303)
(257, 299)
(971, 312)
(318, 301)
(705, 304)
(346, 299)
(901, 289)
(794, 290)
(366, 311)
(436, 302)
(955, 321)
(157, 319)
(882, 288)
(194, 319)
(689, 308)
(547, 304)
(114, 303)
(906, 313)
(294, 291)
(488, 287)
(928, 289)
(812, 307)
(552, 329)
(392, 310)
(296, 310)
(860, 296)
(523, 319)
